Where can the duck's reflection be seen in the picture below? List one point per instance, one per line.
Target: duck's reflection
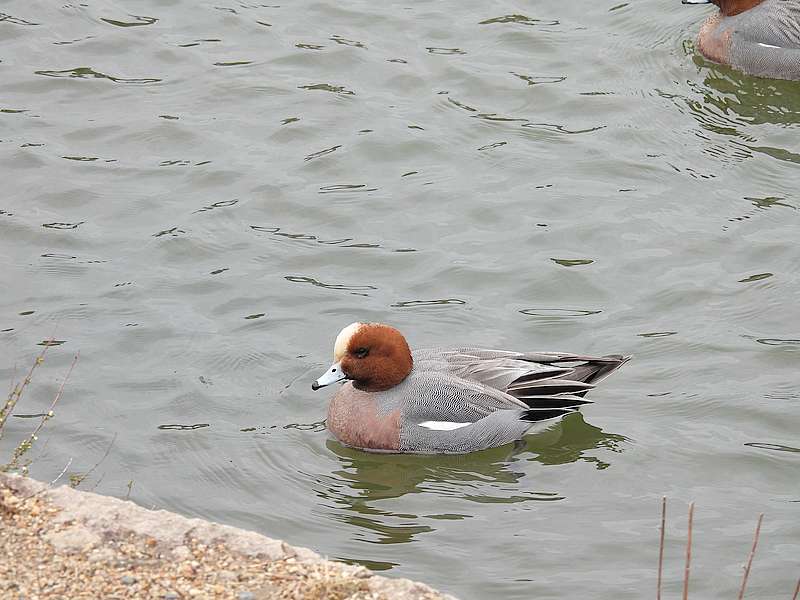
(360, 491)
(755, 100)
(732, 103)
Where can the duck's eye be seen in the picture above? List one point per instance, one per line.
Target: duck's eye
(361, 352)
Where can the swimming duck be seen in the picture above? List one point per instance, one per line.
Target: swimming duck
(758, 37)
(448, 401)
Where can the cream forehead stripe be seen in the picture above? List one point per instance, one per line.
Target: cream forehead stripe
(343, 340)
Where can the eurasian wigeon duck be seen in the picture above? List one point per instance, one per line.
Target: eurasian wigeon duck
(758, 37)
(448, 401)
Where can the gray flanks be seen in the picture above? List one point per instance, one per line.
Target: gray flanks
(766, 39)
(88, 523)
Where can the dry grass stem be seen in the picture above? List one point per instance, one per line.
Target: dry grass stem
(750, 558)
(796, 590)
(57, 397)
(51, 484)
(76, 479)
(688, 554)
(27, 443)
(17, 390)
(661, 545)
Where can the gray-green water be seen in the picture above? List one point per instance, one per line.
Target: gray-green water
(199, 195)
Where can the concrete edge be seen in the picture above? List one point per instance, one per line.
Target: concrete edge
(95, 517)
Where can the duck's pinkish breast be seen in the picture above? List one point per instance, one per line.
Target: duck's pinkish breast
(714, 41)
(355, 420)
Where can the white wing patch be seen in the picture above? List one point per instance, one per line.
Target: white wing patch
(443, 425)
(767, 45)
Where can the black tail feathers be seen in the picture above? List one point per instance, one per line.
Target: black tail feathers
(542, 414)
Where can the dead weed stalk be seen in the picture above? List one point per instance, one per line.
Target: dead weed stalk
(14, 396)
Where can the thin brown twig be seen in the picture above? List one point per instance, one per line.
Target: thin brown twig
(76, 480)
(750, 558)
(796, 590)
(26, 444)
(130, 487)
(13, 381)
(688, 554)
(57, 396)
(98, 482)
(60, 475)
(51, 484)
(661, 544)
(18, 389)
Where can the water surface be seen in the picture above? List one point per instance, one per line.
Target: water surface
(200, 195)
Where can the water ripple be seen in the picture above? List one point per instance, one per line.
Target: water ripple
(74, 41)
(426, 303)
(346, 187)
(524, 122)
(492, 145)
(327, 87)
(572, 262)
(319, 153)
(346, 42)
(657, 334)
(434, 50)
(779, 342)
(173, 231)
(777, 447)
(233, 63)
(521, 20)
(329, 286)
(539, 79)
(345, 242)
(220, 204)
(757, 277)
(63, 225)
(137, 22)
(6, 18)
(87, 72)
(558, 313)
(198, 42)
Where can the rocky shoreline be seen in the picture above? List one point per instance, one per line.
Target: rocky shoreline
(64, 543)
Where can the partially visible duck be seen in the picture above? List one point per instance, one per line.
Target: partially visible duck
(758, 37)
(448, 401)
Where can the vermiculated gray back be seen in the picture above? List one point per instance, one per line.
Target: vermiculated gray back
(775, 23)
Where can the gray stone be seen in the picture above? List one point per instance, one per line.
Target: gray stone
(128, 580)
(246, 596)
(102, 555)
(181, 553)
(73, 539)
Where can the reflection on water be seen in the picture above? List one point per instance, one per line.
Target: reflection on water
(576, 440)
(754, 99)
(357, 492)
(732, 103)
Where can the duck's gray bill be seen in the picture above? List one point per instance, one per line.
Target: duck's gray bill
(695, 1)
(332, 375)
